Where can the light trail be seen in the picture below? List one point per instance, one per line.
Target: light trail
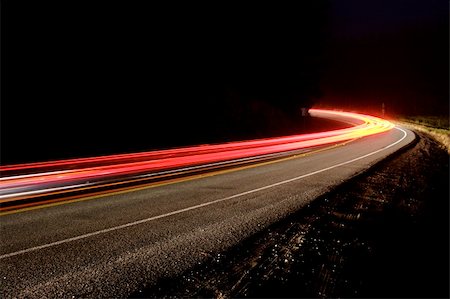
(138, 222)
(19, 182)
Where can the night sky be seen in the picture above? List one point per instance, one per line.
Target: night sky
(394, 52)
(81, 80)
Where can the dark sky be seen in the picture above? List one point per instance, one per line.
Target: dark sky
(87, 79)
(394, 52)
(359, 19)
(94, 79)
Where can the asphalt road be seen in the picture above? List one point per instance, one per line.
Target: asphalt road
(115, 245)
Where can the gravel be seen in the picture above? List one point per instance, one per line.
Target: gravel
(384, 233)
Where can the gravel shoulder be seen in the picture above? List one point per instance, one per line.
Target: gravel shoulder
(384, 233)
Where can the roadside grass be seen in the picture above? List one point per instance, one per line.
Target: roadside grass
(437, 127)
(438, 122)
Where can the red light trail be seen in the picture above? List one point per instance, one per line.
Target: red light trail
(23, 181)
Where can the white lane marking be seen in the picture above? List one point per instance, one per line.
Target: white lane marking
(28, 193)
(107, 230)
(6, 178)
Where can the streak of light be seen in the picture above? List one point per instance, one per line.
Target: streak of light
(18, 181)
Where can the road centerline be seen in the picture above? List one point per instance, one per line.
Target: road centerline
(134, 223)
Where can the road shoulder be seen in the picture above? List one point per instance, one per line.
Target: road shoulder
(384, 233)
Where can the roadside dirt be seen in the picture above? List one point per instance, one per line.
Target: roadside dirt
(385, 233)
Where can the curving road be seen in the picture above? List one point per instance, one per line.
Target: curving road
(111, 246)
(29, 185)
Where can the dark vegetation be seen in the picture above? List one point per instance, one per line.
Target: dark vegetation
(83, 79)
(430, 121)
(89, 80)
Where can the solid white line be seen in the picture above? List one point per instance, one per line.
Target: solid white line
(28, 193)
(6, 178)
(103, 231)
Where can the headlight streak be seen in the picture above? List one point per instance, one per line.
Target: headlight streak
(19, 181)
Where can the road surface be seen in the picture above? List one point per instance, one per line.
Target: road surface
(114, 245)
